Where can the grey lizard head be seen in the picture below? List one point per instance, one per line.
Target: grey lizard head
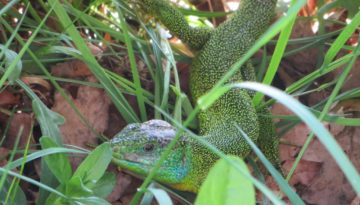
(138, 147)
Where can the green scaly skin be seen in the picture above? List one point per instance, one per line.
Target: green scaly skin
(139, 146)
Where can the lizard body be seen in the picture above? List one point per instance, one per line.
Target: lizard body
(139, 145)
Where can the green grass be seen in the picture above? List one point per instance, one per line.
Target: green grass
(167, 101)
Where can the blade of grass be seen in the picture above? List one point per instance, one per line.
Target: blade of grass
(284, 186)
(16, 182)
(168, 149)
(11, 68)
(52, 132)
(212, 148)
(32, 181)
(327, 107)
(341, 39)
(41, 153)
(330, 55)
(276, 58)
(118, 99)
(314, 75)
(134, 71)
(12, 156)
(8, 6)
(315, 125)
(206, 14)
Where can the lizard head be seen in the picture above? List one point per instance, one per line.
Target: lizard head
(138, 147)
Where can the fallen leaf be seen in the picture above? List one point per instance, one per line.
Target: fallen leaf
(8, 99)
(305, 172)
(122, 184)
(3, 154)
(34, 80)
(71, 69)
(296, 66)
(356, 201)
(21, 123)
(318, 179)
(330, 185)
(93, 104)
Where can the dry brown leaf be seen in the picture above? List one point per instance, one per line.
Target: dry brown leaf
(122, 184)
(125, 200)
(356, 201)
(330, 186)
(318, 179)
(296, 66)
(353, 78)
(97, 51)
(305, 172)
(71, 69)
(19, 121)
(211, 5)
(93, 104)
(7, 98)
(34, 80)
(3, 154)
(309, 9)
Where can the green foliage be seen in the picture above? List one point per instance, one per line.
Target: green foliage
(58, 163)
(351, 6)
(65, 43)
(49, 120)
(315, 125)
(89, 184)
(10, 56)
(208, 66)
(225, 185)
(19, 196)
(284, 186)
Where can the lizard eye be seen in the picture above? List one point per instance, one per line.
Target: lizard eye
(148, 147)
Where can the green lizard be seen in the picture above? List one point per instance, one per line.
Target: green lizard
(138, 146)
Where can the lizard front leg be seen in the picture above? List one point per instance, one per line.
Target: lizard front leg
(175, 21)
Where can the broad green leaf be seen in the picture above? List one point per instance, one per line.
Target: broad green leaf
(58, 163)
(49, 120)
(76, 188)
(54, 199)
(105, 185)
(226, 186)
(94, 165)
(90, 201)
(9, 57)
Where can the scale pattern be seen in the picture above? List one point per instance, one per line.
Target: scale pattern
(217, 50)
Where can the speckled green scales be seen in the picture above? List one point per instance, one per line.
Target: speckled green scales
(217, 50)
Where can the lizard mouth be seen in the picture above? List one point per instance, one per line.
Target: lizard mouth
(132, 159)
